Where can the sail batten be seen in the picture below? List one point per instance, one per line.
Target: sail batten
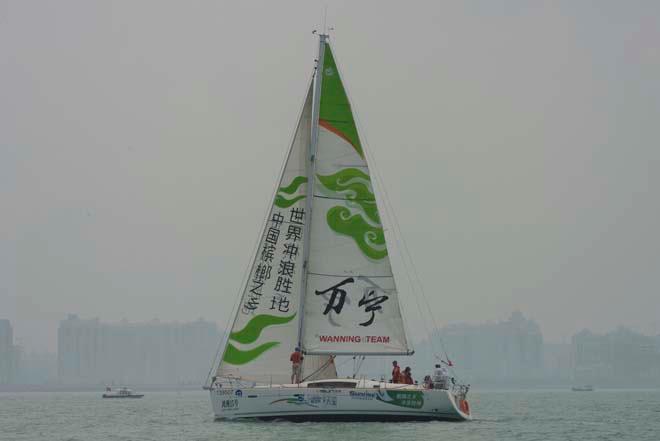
(345, 275)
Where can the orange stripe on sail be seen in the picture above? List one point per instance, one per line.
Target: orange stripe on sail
(326, 125)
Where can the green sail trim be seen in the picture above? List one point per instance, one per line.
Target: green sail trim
(293, 186)
(351, 182)
(252, 330)
(281, 200)
(237, 357)
(370, 239)
(335, 109)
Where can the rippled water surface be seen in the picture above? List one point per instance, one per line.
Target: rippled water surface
(499, 415)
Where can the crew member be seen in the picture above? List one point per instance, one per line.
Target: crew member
(440, 377)
(428, 383)
(296, 365)
(396, 372)
(407, 376)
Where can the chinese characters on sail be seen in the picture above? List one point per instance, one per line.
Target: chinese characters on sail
(274, 275)
(370, 301)
(287, 266)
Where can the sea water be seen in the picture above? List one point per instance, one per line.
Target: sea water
(498, 415)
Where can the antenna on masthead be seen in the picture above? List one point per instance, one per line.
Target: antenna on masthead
(326, 29)
(325, 15)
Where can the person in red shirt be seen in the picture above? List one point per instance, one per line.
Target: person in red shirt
(296, 365)
(396, 372)
(407, 376)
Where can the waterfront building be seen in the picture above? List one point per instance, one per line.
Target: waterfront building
(93, 352)
(9, 353)
(618, 358)
(506, 352)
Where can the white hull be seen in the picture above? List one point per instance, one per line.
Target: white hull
(386, 402)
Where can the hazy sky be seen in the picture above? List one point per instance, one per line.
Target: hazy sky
(519, 143)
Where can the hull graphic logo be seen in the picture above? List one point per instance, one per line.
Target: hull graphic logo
(297, 399)
(312, 400)
(409, 399)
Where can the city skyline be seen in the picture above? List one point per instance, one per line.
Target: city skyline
(48, 341)
(221, 327)
(510, 352)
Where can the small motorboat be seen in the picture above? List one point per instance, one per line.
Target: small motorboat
(585, 388)
(122, 392)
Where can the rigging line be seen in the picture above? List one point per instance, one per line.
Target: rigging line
(360, 362)
(343, 362)
(323, 366)
(255, 247)
(398, 235)
(367, 151)
(438, 333)
(417, 278)
(215, 359)
(402, 245)
(398, 240)
(384, 199)
(389, 213)
(343, 199)
(349, 275)
(387, 204)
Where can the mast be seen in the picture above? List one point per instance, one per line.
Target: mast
(311, 166)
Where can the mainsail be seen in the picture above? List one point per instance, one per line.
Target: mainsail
(265, 328)
(351, 302)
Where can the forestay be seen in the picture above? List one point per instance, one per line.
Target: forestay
(351, 301)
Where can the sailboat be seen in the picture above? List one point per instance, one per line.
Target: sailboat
(321, 281)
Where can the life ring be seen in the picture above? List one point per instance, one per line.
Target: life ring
(465, 407)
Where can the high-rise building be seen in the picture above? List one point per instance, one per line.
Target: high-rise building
(92, 352)
(9, 353)
(621, 357)
(558, 363)
(506, 352)
(509, 350)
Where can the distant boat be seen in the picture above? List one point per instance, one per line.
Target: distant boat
(585, 388)
(123, 392)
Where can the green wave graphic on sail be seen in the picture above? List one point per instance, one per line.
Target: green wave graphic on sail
(283, 202)
(370, 239)
(351, 182)
(281, 199)
(293, 186)
(237, 357)
(249, 334)
(367, 232)
(252, 330)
